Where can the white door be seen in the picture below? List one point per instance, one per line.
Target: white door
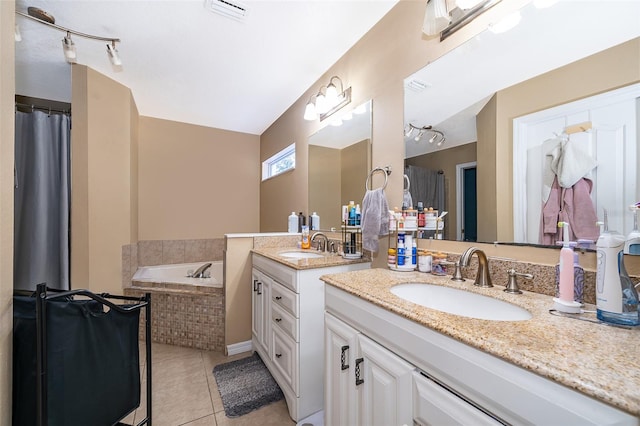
(339, 381)
(612, 142)
(385, 388)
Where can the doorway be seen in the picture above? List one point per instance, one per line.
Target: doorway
(467, 202)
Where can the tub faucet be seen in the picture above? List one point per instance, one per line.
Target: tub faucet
(199, 273)
(483, 279)
(322, 245)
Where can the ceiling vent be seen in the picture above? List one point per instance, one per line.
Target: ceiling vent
(416, 85)
(230, 9)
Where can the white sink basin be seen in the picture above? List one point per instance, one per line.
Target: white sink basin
(460, 302)
(301, 255)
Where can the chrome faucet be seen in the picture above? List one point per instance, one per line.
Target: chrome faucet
(483, 279)
(199, 273)
(321, 245)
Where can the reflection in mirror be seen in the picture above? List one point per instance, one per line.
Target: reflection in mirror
(474, 93)
(339, 162)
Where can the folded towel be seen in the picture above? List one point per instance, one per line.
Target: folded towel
(374, 218)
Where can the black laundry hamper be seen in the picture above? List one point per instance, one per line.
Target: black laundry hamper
(76, 360)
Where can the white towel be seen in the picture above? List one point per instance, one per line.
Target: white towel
(565, 160)
(374, 218)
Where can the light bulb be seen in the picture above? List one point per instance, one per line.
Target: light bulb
(69, 49)
(417, 138)
(310, 112)
(332, 95)
(321, 104)
(433, 138)
(114, 57)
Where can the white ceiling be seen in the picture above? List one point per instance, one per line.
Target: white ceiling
(185, 63)
(461, 82)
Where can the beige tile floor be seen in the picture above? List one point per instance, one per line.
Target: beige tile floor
(185, 392)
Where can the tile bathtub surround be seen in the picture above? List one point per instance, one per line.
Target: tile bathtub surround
(166, 252)
(185, 318)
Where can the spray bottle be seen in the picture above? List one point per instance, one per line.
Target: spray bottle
(616, 297)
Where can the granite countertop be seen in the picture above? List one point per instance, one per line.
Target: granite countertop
(598, 360)
(327, 259)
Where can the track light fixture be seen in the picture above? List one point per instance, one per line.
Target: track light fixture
(68, 47)
(326, 103)
(435, 135)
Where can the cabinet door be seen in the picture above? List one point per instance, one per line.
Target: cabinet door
(435, 405)
(384, 386)
(260, 310)
(340, 346)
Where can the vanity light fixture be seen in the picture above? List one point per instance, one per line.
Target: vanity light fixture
(68, 46)
(326, 103)
(435, 135)
(436, 17)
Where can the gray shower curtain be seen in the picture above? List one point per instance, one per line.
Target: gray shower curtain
(426, 186)
(41, 200)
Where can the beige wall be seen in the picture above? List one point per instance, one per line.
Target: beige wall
(196, 182)
(604, 71)
(103, 156)
(375, 68)
(354, 165)
(486, 172)
(7, 92)
(324, 185)
(446, 160)
(237, 293)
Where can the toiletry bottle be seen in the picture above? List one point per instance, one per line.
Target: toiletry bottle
(632, 245)
(566, 266)
(357, 215)
(293, 223)
(616, 297)
(352, 213)
(306, 243)
(301, 221)
(345, 214)
(315, 222)
(414, 253)
(400, 253)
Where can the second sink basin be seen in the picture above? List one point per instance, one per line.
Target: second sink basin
(301, 255)
(460, 302)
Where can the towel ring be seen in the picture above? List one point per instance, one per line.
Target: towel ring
(377, 169)
(408, 182)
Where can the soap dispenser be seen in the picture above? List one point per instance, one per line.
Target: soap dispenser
(616, 297)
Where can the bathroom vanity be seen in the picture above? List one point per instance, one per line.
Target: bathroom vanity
(288, 323)
(391, 361)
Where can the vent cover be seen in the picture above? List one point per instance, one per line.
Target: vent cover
(230, 9)
(416, 85)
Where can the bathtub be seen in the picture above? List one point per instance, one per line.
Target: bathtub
(177, 274)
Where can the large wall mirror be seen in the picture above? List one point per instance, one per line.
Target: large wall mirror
(339, 161)
(495, 85)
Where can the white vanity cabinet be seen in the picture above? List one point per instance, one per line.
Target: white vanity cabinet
(414, 375)
(288, 328)
(365, 383)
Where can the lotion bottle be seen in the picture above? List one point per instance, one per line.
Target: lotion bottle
(293, 223)
(306, 243)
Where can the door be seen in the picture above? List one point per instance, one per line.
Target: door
(469, 205)
(384, 386)
(339, 388)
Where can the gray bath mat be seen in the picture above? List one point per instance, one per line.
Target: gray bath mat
(245, 385)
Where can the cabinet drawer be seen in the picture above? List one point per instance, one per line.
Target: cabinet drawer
(285, 321)
(285, 358)
(284, 275)
(285, 298)
(434, 405)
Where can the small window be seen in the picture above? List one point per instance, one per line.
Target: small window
(280, 162)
